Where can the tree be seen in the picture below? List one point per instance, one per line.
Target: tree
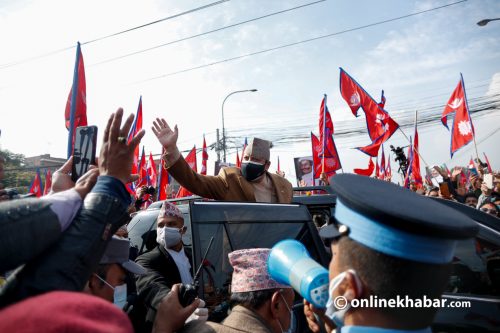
(15, 174)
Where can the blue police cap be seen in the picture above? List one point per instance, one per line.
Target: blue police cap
(395, 221)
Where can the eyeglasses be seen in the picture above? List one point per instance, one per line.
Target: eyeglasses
(489, 211)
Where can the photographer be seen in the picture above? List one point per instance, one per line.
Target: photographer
(144, 197)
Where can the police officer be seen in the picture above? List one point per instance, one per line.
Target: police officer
(387, 242)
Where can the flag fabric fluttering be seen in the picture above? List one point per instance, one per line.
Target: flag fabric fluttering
(324, 126)
(488, 165)
(204, 157)
(415, 168)
(238, 161)
(136, 127)
(191, 161)
(75, 113)
(381, 175)
(163, 179)
(151, 169)
(380, 125)
(48, 182)
(366, 172)
(462, 131)
(382, 100)
(332, 161)
(142, 171)
(388, 171)
(36, 185)
(408, 175)
(377, 168)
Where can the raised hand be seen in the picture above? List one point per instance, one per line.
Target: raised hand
(116, 155)
(165, 135)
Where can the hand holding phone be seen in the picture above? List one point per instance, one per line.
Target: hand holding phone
(84, 151)
(488, 180)
(444, 190)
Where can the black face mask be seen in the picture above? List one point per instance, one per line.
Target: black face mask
(252, 170)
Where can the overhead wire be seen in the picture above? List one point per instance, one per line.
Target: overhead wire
(14, 63)
(189, 69)
(205, 33)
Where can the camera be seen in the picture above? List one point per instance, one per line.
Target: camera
(150, 190)
(400, 158)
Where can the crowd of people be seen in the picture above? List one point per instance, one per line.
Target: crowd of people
(68, 265)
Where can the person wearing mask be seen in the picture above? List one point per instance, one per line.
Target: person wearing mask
(70, 261)
(167, 264)
(260, 304)
(384, 252)
(109, 279)
(252, 182)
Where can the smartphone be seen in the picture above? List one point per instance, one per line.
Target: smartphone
(445, 191)
(84, 150)
(488, 180)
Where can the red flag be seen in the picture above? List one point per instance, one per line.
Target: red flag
(381, 175)
(143, 172)
(490, 170)
(366, 172)
(238, 161)
(380, 125)
(244, 147)
(388, 171)
(324, 126)
(162, 179)
(377, 168)
(36, 186)
(382, 100)
(48, 182)
(410, 165)
(415, 168)
(462, 131)
(278, 164)
(136, 127)
(191, 161)
(332, 161)
(151, 169)
(372, 149)
(204, 157)
(76, 106)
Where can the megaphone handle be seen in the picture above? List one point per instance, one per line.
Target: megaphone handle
(321, 324)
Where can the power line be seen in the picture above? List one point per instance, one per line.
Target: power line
(295, 43)
(3, 66)
(204, 33)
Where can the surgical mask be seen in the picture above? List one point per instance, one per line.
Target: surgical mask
(291, 328)
(119, 293)
(168, 237)
(338, 315)
(252, 170)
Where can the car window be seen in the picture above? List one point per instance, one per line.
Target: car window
(476, 266)
(142, 228)
(235, 227)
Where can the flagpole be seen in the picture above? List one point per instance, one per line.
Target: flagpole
(324, 135)
(470, 118)
(72, 110)
(399, 128)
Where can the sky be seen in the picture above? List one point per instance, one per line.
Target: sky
(416, 60)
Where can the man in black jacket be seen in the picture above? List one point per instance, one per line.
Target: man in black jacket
(167, 264)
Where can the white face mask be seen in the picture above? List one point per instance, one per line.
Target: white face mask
(119, 293)
(168, 237)
(337, 316)
(291, 328)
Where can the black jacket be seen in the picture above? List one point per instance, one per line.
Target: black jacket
(162, 274)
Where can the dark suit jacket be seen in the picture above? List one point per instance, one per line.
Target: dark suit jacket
(228, 185)
(162, 274)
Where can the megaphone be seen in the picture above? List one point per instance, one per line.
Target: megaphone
(290, 263)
